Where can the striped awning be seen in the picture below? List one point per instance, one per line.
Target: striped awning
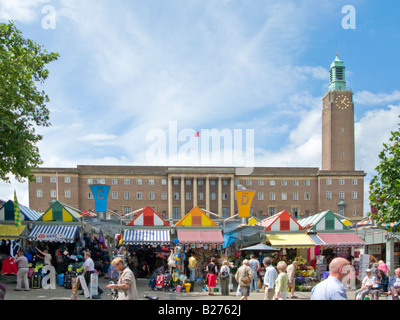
(335, 240)
(53, 233)
(200, 236)
(146, 237)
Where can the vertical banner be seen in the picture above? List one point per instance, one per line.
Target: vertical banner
(244, 199)
(100, 194)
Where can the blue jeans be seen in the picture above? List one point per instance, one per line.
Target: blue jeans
(254, 282)
(192, 274)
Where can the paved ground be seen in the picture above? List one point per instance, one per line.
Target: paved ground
(60, 293)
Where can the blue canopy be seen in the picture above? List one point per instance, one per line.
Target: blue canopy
(260, 247)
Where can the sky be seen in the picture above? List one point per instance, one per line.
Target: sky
(134, 75)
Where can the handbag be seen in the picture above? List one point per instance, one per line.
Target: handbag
(245, 280)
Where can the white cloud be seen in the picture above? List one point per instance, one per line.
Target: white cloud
(24, 11)
(369, 98)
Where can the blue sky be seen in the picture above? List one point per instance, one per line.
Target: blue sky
(129, 67)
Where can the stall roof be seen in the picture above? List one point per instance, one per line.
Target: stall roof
(148, 217)
(324, 221)
(9, 232)
(293, 240)
(60, 213)
(281, 221)
(196, 218)
(7, 212)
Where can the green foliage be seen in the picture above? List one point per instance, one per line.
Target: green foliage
(385, 186)
(22, 103)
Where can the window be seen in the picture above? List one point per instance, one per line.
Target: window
(225, 182)
(341, 195)
(176, 213)
(127, 195)
(188, 196)
(272, 183)
(67, 179)
(249, 182)
(127, 209)
(151, 182)
(163, 196)
(341, 182)
(341, 210)
(261, 196)
(307, 183)
(201, 196)
(284, 196)
(213, 197)
(342, 154)
(212, 182)
(52, 179)
(176, 182)
(152, 195)
(306, 196)
(53, 194)
(89, 181)
(164, 182)
(272, 196)
(328, 182)
(271, 211)
(354, 182)
(260, 183)
(139, 196)
(284, 183)
(176, 195)
(38, 179)
(114, 181)
(295, 196)
(67, 194)
(200, 182)
(295, 183)
(295, 212)
(139, 182)
(188, 182)
(90, 195)
(354, 195)
(328, 195)
(114, 195)
(224, 196)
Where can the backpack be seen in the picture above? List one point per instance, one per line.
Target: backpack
(36, 281)
(224, 274)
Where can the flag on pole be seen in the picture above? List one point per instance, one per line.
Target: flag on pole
(17, 211)
(197, 134)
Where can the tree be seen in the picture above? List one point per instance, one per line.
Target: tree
(22, 103)
(385, 186)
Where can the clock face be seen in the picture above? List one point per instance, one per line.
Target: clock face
(325, 106)
(342, 101)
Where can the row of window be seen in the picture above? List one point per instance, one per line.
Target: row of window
(188, 195)
(200, 182)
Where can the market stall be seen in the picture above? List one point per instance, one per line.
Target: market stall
(147, 240)
(199, 234)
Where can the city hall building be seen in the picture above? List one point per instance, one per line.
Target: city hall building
(174, 191)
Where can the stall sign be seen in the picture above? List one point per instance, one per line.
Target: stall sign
(244, 199)
(375, 249)
(50, 237)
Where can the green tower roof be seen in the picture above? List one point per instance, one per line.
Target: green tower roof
(337, 75)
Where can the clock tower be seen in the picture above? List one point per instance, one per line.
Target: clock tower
(338, 122)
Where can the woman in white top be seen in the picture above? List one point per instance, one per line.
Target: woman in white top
(224, 277)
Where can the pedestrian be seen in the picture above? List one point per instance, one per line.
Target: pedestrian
(383, 266)
(394, 285)
(224, 277)
(332, 287)
(46, 256)
(244, 277)
(269, 278)
(212, 272)
(281, 282)
(23, 269)
(255, 267)
(291, 272)
(192, 267)
(126, 285)
(381, 285)
(88, 269)
(366, 286)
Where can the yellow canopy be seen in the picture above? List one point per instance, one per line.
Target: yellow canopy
(295, 240)
(9, 232)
